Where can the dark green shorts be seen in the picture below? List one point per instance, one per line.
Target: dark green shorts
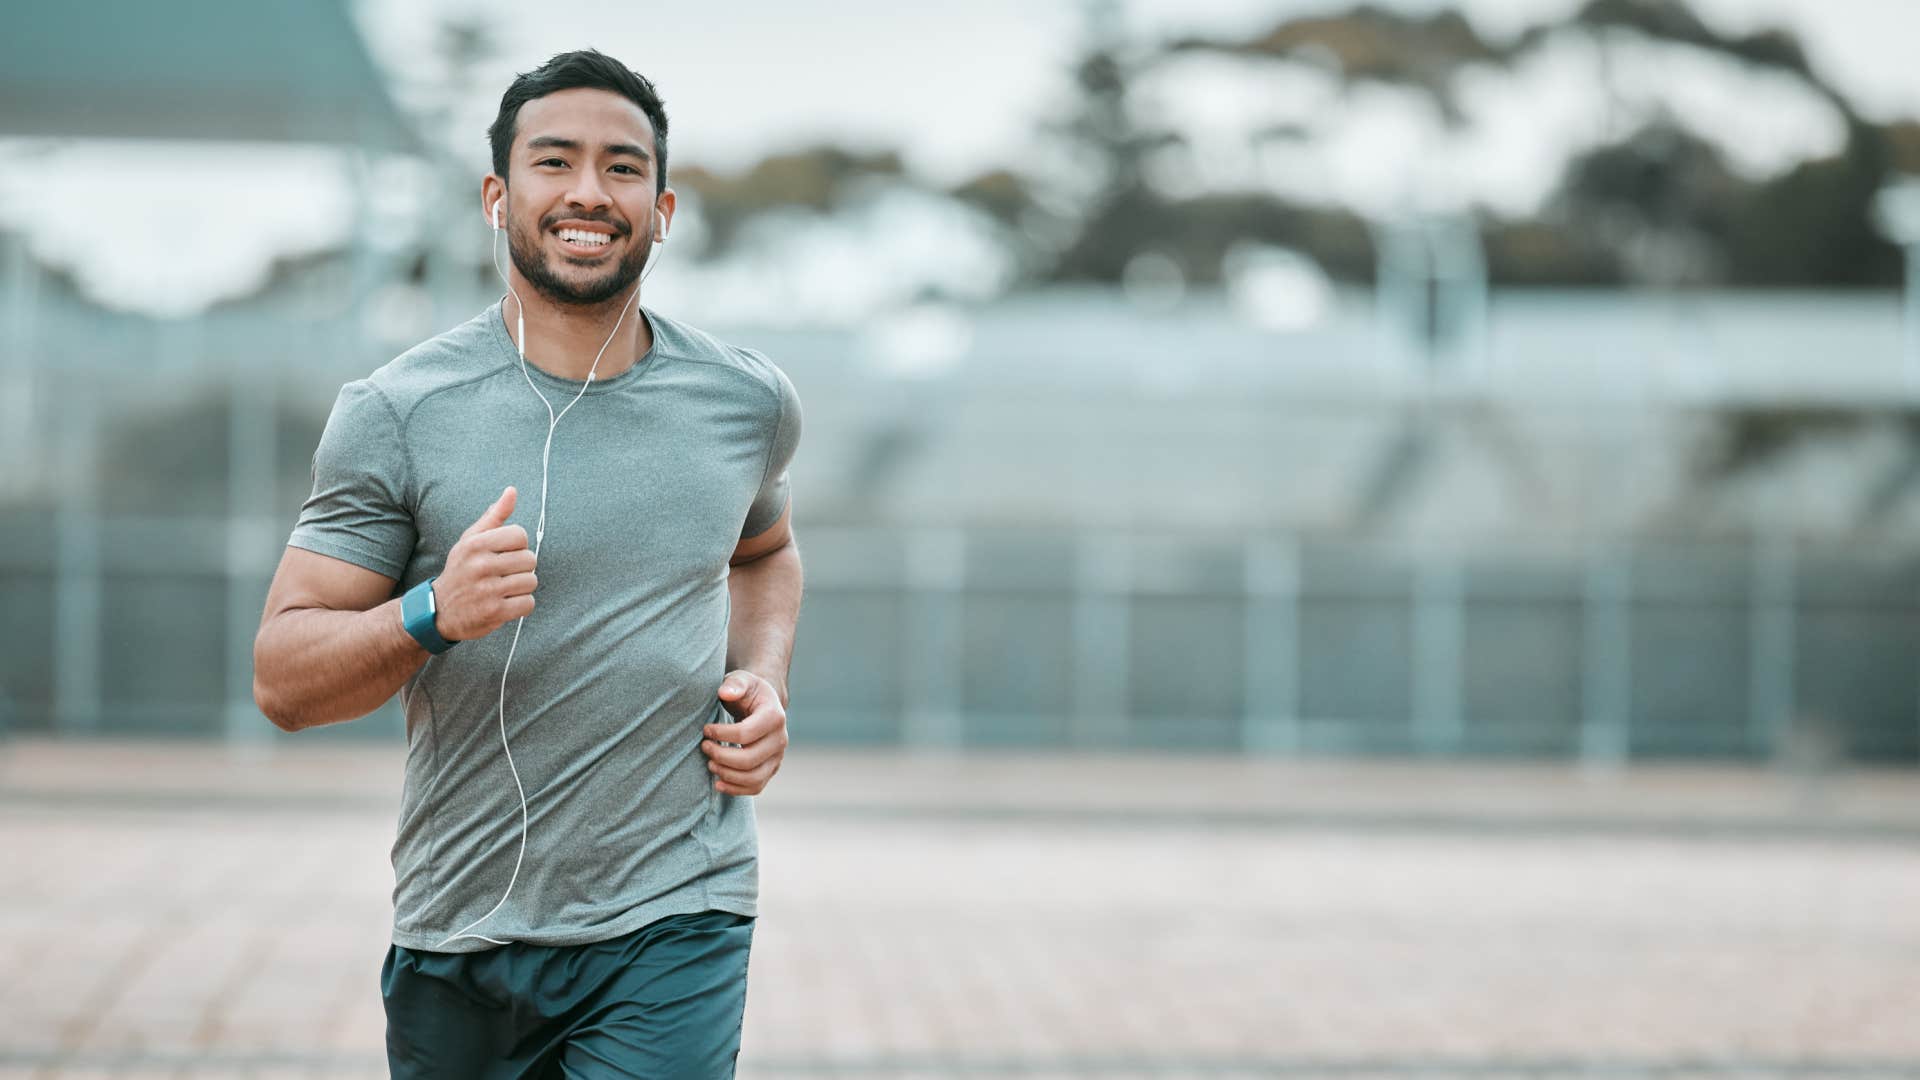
(665, 1001)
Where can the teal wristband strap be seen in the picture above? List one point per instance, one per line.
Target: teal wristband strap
(417, 610)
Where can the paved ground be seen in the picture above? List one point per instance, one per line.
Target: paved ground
(175, 911)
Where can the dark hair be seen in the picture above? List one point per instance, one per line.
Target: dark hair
(589, 68)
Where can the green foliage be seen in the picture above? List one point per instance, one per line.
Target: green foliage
(1814, 226)
(1538, 253)
(1661, 205)
(1373, 44)
(1673, 20)
(814, 178)
(1000, 193)
(1197, 234)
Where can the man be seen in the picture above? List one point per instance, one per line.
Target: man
(575, 862)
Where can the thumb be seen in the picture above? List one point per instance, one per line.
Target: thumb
(495, 515)
(736, 692)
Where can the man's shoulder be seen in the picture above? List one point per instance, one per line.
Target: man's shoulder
(681, 341)
(452, 358)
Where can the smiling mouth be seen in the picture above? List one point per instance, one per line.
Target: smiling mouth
(584, 242)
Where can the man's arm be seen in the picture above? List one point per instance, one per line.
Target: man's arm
(764, 584)
(332, 646)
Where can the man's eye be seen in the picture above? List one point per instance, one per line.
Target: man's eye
(628, 168)
(550, 161)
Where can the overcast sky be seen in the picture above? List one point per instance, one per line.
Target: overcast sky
(956, 93)
(962, 89)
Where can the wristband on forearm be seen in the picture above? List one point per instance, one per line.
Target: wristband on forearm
(417, 611)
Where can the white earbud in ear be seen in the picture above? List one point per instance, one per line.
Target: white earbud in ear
(660, 218)
(496, 212)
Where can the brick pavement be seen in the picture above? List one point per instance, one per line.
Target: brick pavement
(182, 911)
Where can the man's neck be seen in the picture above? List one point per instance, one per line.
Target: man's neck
(564, 339)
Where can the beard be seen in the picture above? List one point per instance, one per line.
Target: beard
(529, 255)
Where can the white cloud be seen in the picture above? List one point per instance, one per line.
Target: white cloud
(168, 228)
(875, 252)
(1380, 148)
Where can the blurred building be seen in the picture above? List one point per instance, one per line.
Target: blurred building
(131, 442)
(1271, 514)
(1063, 520)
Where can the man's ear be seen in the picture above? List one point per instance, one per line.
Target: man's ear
(493, 193)
(663, 205)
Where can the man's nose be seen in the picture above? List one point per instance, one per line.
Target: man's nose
(587, 193)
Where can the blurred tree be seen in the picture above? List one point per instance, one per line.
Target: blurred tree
(1001, 193)
(1661, 205)
(1673, 211)
(814, 178)
(1667, 206)
(1813, 226)
(1375, 44)
(1110, 152)
(1124, 216)
(1673, 20)
(1537, 252)
(1903, 146)
(1661, 202)
(444, 90)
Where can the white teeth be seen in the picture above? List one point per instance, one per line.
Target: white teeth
(582, 236)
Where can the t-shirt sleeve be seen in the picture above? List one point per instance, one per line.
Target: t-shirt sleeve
(771, 500)
(358, 509)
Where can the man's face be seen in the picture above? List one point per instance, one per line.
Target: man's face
(579, 213)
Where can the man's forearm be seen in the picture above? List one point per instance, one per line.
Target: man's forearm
(766, 607)
(312, 666)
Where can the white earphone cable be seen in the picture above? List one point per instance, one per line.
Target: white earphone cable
(539, 534)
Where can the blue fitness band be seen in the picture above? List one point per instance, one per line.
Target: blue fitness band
(417, 609)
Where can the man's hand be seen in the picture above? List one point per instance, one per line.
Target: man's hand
(760, 731)
(488, 579)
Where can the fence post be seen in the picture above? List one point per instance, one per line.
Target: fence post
(1438, 654)
(1770, 677)
(77, 641)
(1607, 669)
(1270, 709)
(1102, 677)
(19, 359)
(936, 565)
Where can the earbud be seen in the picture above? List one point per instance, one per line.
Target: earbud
(660, 218)
(496, 213)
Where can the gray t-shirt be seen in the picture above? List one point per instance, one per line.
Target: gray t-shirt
(655, 476)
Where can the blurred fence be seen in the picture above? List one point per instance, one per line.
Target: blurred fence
(155, 469)
(1740, 649)
(144, 625)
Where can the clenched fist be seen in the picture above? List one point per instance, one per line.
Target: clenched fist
(488, 579)
(758, 735)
